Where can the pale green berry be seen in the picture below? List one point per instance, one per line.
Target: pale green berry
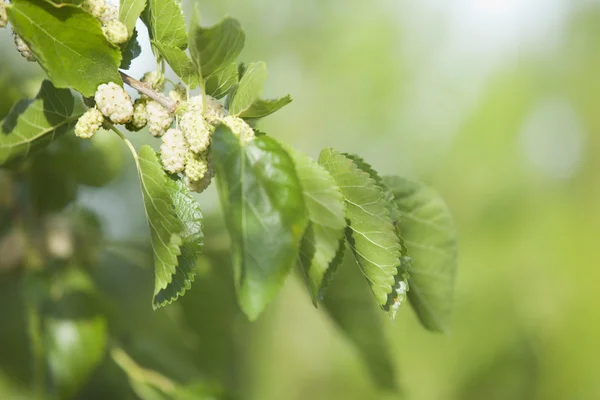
(214, 112)
(240, 128)
(23, 48)
(95, 7)
(196, 130)
(116, 32)
(114, 102)
(173, 151)
(140, 115)
(159, 118)
(178, 94)
(199, 186)
(109, 13)
(3, 15)
(155, 79)
(89, 123)
(196, 165)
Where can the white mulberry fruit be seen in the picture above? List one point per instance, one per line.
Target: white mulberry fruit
(173, 151)
(24, 49)
(94, 7)
(200, 185)
(215, 112)
(196, 166)
(3, 15)
(114, 102)
(178, 94)
(240, 128)
(196, 130)
(155, 79)
(116, 32)
(89, 123)
(140, 116)
(109, 13)
(159, 118)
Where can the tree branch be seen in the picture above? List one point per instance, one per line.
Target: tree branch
(144, 88)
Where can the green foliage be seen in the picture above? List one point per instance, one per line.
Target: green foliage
(428, 231)
(370, 232)
(180, 62)
(130, 51)
(221, 83)
(249, 88)
(97, 161)
(32, 125)
(54, 34)
(130, 11)
(261, 108)
(324, 235)
(263, 203)
(165, 23)
(216, 48)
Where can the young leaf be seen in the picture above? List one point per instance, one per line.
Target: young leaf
(429, 233)
(130, 11)
(351, 307)
(263, 204)
(188, 211)
(261, 108)
(165, 23)
(166, 228)
(221, 83)
(370, 232)
(216, 48)
(325, 231)
(68, 43)
(32, 125)
(180, 62)
(249, 89)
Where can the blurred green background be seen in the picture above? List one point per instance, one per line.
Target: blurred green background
(493, 102)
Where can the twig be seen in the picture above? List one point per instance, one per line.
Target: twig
(143, 88)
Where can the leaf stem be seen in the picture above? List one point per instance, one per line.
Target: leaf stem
(144, 88)
(127, 142)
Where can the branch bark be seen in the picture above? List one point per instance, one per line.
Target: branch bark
(145, 89)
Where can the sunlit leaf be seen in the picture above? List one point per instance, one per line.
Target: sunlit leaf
(261, 108)
(180, 62)
(249, 89)
(221, 83)
(129, 12)
(165, 23)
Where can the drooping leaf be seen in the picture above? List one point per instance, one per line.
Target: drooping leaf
(370, 232)
(180, 62)
(130, 11)
(166, 228)
(261, 108)
(249, 88)
(350, 305)
(221, 83)
(165, 23)
(188, 211)
(130, 51)
(324, 234)
(68, 43)
(32, 125)
(263, 204)
(429, 234)
(215, 48)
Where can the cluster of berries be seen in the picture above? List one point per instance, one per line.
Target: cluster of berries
(185, 147)
(114, 30)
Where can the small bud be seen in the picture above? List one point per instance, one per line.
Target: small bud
(173, 151)
(24, 49)
(116, 32)
(240, 128)
(89, 123)
(196, 131)
(140, 116)
(159, 118)
(114, 102)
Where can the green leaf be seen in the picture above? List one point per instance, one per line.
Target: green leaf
(261, 108)
(221, 83)
(188, 211)
(130, 11)
(68, 43)
(324, 234)
(263, 204)
(370, 233)
(130, 51)
(32, 125)
(51, 183)
(429, 233)
(96, 161)
(350, 305)
(249, 88)
(215, 48)
(180, 62)
(165, 23)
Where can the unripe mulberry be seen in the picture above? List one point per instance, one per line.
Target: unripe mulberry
(240, 128)
(173, 151)
(24, 49)
(155, 79)
(89, 123)
(196, 166)
(178, 94)
(140, 116)
(159, 118)
(200, 185)
(214, 112)
(3, 15)
(116, 32)
(109, 13)
(114, 102)
(196, 130)
(94, 7)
